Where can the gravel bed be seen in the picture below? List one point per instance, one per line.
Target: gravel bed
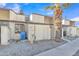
(23, 48)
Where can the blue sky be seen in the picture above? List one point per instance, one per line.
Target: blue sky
(29, 8)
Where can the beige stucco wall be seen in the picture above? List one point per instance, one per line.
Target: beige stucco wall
(37, 18)
(77, 32)
(12, 25)
(15, 17)
(74, 33)
(71, 31)
(20, 17)
(65, 22)
(26, 27)
(41, 19)
(12, 15)
(72, 23)
(48, 20)
(12, 30)
(4, 14)
(4, 35)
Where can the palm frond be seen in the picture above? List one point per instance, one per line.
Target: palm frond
(49, 7)
(66, 5)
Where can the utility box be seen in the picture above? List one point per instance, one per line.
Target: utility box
(22, 35)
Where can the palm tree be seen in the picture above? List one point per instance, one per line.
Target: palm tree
(58, 10)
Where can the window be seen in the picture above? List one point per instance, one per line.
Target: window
(19, 27)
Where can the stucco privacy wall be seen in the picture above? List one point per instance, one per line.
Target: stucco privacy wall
(15, 17)
(12, 30)
(37, 18)
(70, 31)
(77, 32)
(26, 28)
(12, 15)
(48, 20)
(12, 24)
(4, 14)
(4, 35)
(69, 27)
(65, 22)
(20, 17)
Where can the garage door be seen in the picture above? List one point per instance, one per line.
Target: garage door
(42, 32)
(39, 32)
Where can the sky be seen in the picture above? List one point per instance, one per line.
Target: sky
(28, 8)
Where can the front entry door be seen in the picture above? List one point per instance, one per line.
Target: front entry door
(64, 33)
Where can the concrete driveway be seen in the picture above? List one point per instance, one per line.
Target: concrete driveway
(23, 48)
(67, 49)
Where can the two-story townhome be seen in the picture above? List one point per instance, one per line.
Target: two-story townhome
(68, 28)
(10, 24)
(44, 30)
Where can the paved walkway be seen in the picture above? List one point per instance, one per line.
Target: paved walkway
(67, 49)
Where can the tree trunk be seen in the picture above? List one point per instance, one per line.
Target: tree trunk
(58, 28)
(58, 22)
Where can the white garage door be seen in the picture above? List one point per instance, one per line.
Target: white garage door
(42, 32)
(39, 32)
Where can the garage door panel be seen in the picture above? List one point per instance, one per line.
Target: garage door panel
(42, 32)
(38, 32)
(30, 31)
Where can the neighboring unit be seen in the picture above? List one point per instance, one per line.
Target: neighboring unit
(10, 29)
